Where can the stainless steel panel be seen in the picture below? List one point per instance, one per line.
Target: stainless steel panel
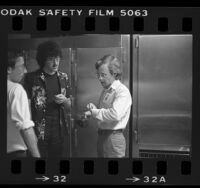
(135, 83)
(15, 42)
(79, 41)
(164, 92)
(98, 41)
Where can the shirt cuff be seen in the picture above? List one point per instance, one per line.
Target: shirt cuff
(95, 112)
(25, 124)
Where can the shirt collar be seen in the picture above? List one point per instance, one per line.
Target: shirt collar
(114, 85)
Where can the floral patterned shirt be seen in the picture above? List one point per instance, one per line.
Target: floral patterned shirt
(35, 85)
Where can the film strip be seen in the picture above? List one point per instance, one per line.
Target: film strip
(158, 51)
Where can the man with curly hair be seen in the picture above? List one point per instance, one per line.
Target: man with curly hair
(49, 92)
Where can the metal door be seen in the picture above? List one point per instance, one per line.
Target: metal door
(162, 89)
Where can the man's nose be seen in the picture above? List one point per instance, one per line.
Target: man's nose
(25, 70)
(100, 78)
(56, 61)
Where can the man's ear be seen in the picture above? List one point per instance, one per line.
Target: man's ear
(9, 70)
(115, 75)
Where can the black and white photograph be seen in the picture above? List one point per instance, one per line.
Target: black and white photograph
(99, 96)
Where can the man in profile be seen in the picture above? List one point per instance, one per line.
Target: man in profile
(49, 92)
(21, 138)
(113, 110)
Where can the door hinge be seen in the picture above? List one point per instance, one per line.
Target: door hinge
(73, 56)
(137, 42)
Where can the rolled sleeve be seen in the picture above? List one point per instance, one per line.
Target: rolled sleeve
(20, 112)
(118, 110)
(95, 112)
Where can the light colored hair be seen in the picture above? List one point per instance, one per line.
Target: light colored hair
(113, 65)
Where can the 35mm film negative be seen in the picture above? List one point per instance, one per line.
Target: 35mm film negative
(100, 95)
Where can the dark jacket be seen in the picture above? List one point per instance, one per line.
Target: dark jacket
(35, 85)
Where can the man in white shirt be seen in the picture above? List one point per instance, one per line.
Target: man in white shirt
(20, 134)
(113, 110)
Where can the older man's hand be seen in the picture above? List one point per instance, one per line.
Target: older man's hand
(91, 106)
(87, 114)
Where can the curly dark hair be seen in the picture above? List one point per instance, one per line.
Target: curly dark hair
(47, 49)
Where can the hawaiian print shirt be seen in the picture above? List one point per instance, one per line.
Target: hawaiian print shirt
(35, 85)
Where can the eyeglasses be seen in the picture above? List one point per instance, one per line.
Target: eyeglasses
(103, 75)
